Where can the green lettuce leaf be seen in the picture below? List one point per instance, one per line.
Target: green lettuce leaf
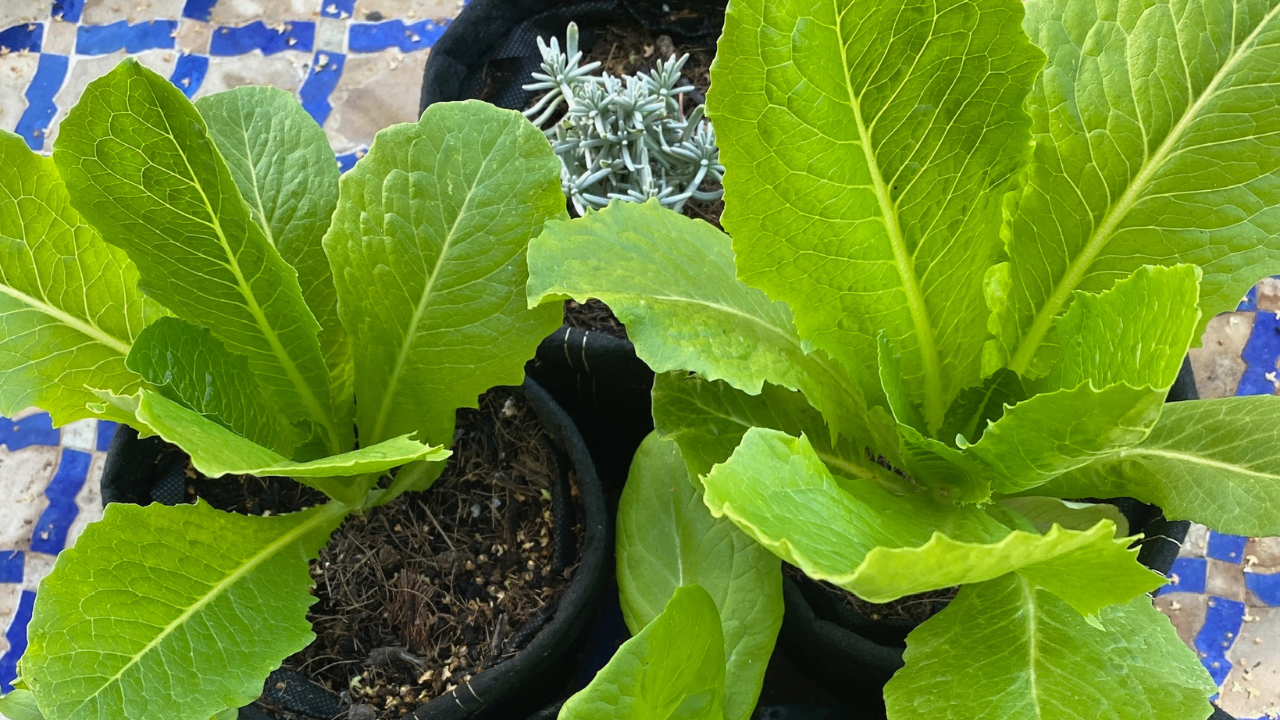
(1045, 512)
(282, 162)
(429, 245)
(979, 405)
(216, 451)
(673, 669)
(882, 546)
(148, 178)
(172, 612)
(869, 146)
(1155, 133)
(1213, 461)
(69, 303)
(20, 705)
(187, 364)
(1039, 660)
(671, 280)
(667, 539)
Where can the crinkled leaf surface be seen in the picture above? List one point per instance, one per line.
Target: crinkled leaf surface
(216, 451)
(172, 612)
(667, 539)
(869, 146)
(190, 366)
(69, 302)
(671, 280)
(1157, 139)
(428, 245)
(282, 162)
(1040, 660)
(673, 669)
(1213, 461)
(883, 546)
(148, 177)
(978, 405)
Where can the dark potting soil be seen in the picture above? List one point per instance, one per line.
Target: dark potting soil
(912, 608)
(417, 597)
(595, 316)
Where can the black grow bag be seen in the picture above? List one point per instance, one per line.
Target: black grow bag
(141, 471)
(487, 53)
(854, 656)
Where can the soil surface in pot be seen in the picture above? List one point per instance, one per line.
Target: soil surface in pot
(419, 596)
(912, 608)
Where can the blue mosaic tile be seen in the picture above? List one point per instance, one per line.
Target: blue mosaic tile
(17, 637)
(50, 72)
(188, 73)
(1187, 575)
(1265, 586)
(106, 431)
(12, 563)
(316, 89)
(373, 37)
(348, 161)
(1260, 354)
(1250, 301)
(50, 533)
(104, 39)
(1227, 548)
(1222, 623)
(32, 430)
(200, 10)
(257, 36)
(68, 10)
(22, 37)
(338, 8)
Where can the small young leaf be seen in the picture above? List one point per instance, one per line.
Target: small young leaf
(172, 612)
(673, 669)
(1213, 461)
(1042, 661)
(869, 146)
(69, 302)
(150, 180)
(190, 366)
(977, 406)
(282, 162)
(671, 280)
(428, 245)
(20, 705)
(667, 539)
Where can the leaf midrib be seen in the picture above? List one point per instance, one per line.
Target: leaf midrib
(331, 510)
(1119, 210)
(87, 329)
(933, 400)
(1198, 460)
(1031, 607)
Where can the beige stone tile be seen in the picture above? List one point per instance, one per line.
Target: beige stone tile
(331, 35)
(10, 594)
(283, 70)
(59, 38)
(1263, 555)
(1196, 542)
(1217, 362)
(16, 71)
(1253, 687)
(85, 69)
(193, 36)
(16, 12)
(38, 568)
(270, 12)
(105, 12)
(393, 9)
(89, 499)
(1269, 294)
(23, 477)
(376, 90)
(1224, 580)
(1186, 611)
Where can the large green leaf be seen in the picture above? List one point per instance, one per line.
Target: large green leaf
(428, 245)
(1039, 660)
(1157, 139)
(69, 303)
(172, 612)
(883, 546)
(671, 280)
(190, 366)
(667, 539)
(869, 146)
(150, 180)
(282, 162)
(1213, 461)
(673, 669)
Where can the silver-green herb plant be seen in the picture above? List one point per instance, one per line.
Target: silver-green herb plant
(201, 273)
(624, 138)
(969, 245)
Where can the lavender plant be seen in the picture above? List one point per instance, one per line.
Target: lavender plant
(624, 138)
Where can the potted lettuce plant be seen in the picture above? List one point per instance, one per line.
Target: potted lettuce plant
(971, 245)
(198, 272)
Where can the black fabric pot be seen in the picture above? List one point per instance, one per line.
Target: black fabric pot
(141, 471)
(854, 656)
